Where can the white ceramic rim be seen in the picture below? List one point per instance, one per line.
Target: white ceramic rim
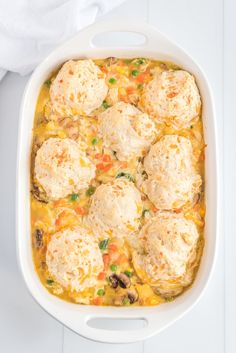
(76, 316)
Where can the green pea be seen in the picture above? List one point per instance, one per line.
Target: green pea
(50, 282)
(101, 292)
(135, 73)
(74, 197)
(112, 80)
(113, 267)
(94, 141)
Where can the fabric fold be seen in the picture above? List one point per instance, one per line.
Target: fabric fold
(29, 30)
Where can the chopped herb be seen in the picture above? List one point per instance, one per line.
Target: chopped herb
(101, 292)
(112, 80)
(105, 104)
(169, 299)
(128, 61)
(140, 86)
(74, 197)
(94, 141)
(103, 244)
(191, 126)
(126, 175)
(48, 83)
(126, 301)
(90, 191)
(50, 282)
(128, 273)
(113, 267)
(135, 73)
(146, 211)
(139, 61)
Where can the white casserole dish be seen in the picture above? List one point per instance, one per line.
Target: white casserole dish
(76, 316)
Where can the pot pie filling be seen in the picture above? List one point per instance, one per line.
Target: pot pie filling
(117, 182)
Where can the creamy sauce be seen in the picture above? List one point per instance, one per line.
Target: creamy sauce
(48, 217)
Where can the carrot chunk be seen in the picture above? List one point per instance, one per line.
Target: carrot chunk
(122, 259)
(106, 158)
(104, 69)
(123, 164)
(98, 155)
(97, 301)
(130, 90)
(100, 166)
(202, 156)
(102, 276)
(80, 210)
(59, 203)
(154, 209)
(106, 260)
(112, 247)
(142, 77)
(59, 219)
(107, 167)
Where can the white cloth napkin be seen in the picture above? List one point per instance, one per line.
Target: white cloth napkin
(29, 29)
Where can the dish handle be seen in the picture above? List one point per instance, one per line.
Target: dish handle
(152, 36)
(118, 327)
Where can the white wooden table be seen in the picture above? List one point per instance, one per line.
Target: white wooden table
(206, 29)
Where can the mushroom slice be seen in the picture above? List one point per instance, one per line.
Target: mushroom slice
(39, 194)
(114, 280)
(124, 281)
(38, 238)
(132, 296)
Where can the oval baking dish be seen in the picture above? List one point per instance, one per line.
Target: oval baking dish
(75, 316)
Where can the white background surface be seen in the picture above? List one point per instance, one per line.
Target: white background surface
(205, 28)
